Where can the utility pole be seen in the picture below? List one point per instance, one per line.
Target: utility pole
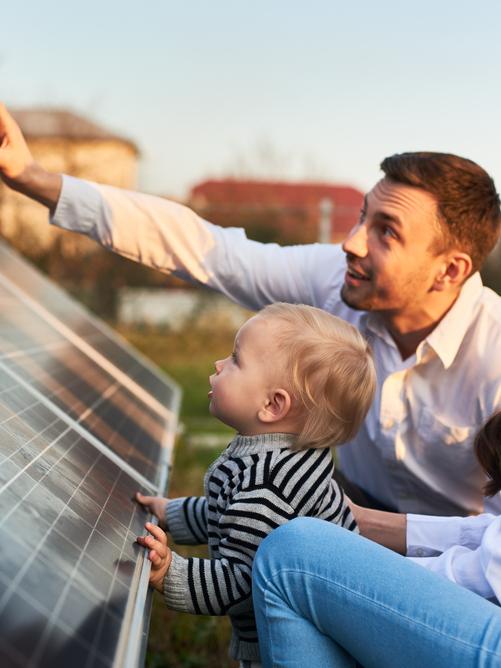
(326, 207)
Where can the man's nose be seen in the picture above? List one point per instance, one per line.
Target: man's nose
(356, 241)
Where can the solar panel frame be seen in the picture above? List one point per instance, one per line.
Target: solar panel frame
(131, 645)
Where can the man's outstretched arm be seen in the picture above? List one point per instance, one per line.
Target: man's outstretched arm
(18, 168)
(171, 237)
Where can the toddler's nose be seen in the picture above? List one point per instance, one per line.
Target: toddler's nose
(218, 365)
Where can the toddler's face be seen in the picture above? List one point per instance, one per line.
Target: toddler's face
(243, 379)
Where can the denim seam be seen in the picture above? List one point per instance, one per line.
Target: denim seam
(386, 607)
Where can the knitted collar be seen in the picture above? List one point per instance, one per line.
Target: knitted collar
(250, 445)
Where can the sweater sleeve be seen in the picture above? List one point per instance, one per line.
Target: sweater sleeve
(186, 520)
(171, 237)
(216, 586)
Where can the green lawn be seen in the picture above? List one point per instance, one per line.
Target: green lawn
(178, 640)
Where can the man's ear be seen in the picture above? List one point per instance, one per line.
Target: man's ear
(277, 406)
(455, 270)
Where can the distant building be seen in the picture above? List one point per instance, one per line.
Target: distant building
(288, 212)
(63, 141)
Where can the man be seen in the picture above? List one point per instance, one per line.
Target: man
(407, 279)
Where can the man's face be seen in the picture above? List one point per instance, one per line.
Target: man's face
(390, 253)
(243, 379)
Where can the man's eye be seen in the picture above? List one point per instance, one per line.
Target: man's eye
(389, 232)
(362, 215)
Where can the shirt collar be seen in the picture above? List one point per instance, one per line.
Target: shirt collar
(448, 335)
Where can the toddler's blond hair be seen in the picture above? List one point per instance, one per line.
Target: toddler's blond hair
(330, 369)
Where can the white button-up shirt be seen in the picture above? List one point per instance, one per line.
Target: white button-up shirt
(414, 451)
(466, 550)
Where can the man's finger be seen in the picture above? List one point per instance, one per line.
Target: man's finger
(7, 124)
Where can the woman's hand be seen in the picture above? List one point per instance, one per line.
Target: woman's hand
(388, 529)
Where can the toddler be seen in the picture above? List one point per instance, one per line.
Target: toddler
(298, 381)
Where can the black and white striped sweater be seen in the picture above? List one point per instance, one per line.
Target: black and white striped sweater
(255, 485)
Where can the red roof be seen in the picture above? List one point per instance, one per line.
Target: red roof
(233, 191)
(288, 198)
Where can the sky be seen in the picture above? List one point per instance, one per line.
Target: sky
(285, 89)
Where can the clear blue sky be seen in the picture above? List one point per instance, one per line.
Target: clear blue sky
(286, 88)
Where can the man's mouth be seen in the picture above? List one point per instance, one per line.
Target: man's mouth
(357, 275)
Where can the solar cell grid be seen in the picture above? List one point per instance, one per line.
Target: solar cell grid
(136, 370)
(88, 395)
(67, 532)
(36, 286)
(79, 386)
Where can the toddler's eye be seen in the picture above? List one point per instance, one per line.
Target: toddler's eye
(234, 357)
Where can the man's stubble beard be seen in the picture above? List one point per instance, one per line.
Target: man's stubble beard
(355, 306)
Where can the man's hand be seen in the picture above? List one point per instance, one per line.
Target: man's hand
(155, 504)
(159, 554)
(18, 168)
(15, 156)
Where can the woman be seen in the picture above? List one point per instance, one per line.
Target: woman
(327, 597)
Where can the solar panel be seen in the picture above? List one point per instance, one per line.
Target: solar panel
(78, 438)
(84, 329)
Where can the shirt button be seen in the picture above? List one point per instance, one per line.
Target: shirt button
(388, 423)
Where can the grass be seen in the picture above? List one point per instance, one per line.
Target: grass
(178, 640)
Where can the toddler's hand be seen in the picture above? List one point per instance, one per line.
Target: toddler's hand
(155, 504)
(159, 554)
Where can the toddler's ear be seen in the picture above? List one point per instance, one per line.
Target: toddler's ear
(277, 406)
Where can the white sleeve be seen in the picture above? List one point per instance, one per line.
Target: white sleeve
(468, 549)
(171, 238)
(429, 535)
(492, 504)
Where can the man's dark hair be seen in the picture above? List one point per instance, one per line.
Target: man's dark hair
(488, 450)
(468, 204)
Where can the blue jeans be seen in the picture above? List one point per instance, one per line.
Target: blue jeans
(324, 596)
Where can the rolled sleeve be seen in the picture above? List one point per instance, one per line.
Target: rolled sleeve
(429, 536)
(466, 551)
(79, 208)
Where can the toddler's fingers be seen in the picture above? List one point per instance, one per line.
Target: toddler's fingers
(155, 558)
(143, 500)
(156, 531)
(152, 544)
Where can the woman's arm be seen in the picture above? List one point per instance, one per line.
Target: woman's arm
(388, 529)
